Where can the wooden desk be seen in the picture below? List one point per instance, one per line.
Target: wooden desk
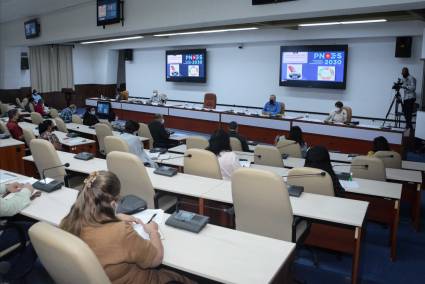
(215, 253)
(11, 153)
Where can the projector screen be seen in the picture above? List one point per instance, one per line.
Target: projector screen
(186, 65)
(315, 66)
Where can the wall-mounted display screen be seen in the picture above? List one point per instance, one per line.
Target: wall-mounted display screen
(108, 12)
(315, 66)
(186, 65)
(32, 29)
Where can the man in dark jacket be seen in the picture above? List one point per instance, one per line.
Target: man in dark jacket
(161, 137)
(233, 132)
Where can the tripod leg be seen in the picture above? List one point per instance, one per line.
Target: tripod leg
(389, 110)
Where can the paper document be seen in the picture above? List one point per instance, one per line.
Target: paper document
(5, 177)
(349, 184)
(145, 216)
(245, 163)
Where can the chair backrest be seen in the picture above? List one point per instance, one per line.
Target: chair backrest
(3, 128)
(77, 119)
(391, 159)
(282, 108)
(349, 112)
(210, 100)
(235, 144)
(45, 156)
(78, 263)
(203, 163)
(36, 118)
(31, 107)
(115, 143)
(368, 168)
(4, 108)
(268, 156)
(314, 183)
(28, 135)
(289, 147)
(197, 142)
(132, 174)
(19, 103)
(53, 112)
(102, 130)
(261, 203)
(145, 132)
(60, 124)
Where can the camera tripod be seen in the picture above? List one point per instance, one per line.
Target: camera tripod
(397, 115)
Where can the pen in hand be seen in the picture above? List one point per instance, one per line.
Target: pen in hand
(153, 216)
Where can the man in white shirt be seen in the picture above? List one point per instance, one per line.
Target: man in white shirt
(134, 144)
(338, 115)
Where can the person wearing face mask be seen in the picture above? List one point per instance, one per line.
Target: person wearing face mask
(90, 117)
(409, 98)
(134, 144)
(338, 115)
(271, 107)
(160, 135)
(66, 114)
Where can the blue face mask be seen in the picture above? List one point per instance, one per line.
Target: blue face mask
(271, 102)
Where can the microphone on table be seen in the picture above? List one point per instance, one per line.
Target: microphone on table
(386, 156)
(296, 190)
(306, 175)
(175, 157)
(169, 171)
(51, 186)
(351, 165)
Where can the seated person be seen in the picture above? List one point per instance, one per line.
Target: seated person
(161, 137)
(219, 144)
(233, 132)
(296, 134)
(14, 129)
(123, 254)
(45, 130)
(338, 115)
(380, 143)
(66, 114)
(272, 107)
(36, 96)
(134, 144)
(318, 157)
(39, 107)
(90, 117)
(22, 264)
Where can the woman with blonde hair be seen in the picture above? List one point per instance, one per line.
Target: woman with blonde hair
(125, 256)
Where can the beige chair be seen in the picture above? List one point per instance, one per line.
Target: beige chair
(235, 144)
(312, 180)
(282, 108)
(135, 179)
(262, 205)
(53, 113)
(203, 163)
(145, 132)
(115, 143)
(391, 159)
(45, 156)
(66, 257)
(197, 142)
(19, 103)
(60, 124)
(289, 147)
(349, 113)
(368, 168)
(36, 118)
(28, 135)
(3, 128)
(268, 156)
(77, 119)
(102, 130)
(106, 122)
(31, 107)
(4, 108)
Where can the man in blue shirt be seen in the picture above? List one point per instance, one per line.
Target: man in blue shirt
(272, 107)
(66, 114)
(36, 96)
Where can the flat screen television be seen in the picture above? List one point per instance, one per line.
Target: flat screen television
(103, 109)
(108, 12)
(186, 65)
(314, 66)
(32, 29)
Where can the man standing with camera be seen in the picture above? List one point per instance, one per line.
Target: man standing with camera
(409, 87)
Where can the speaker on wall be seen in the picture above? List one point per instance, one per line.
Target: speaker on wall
(262, 2)
(128, 54)
(403, 47)
(24, 61)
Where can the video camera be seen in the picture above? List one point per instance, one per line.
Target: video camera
(397, 85)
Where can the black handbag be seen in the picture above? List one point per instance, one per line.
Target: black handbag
(131, 204)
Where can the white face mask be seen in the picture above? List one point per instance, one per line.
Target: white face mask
(162, 121)
(93, 112)
(338, 109)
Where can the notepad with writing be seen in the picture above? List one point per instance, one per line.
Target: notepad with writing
(145, 216)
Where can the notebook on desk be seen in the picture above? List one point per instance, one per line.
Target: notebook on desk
(295, 190)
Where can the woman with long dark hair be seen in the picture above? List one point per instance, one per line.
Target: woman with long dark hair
(296, 134)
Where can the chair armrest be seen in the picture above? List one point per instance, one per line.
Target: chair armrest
(295, 222)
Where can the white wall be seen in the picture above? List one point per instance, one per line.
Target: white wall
(13, 76)
(247, 76)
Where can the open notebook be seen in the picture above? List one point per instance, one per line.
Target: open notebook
(145, 216)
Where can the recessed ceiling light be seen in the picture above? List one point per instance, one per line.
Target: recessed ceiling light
(207, 32)
(112, 39)
(343, 23)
